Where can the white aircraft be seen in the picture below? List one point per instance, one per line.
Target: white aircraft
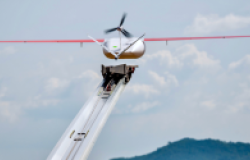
(123, 48)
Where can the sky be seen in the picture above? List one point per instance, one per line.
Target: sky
(196, 89)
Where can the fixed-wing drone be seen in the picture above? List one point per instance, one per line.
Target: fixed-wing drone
(128, 47)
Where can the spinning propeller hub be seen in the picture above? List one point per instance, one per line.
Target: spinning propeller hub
(120, 28)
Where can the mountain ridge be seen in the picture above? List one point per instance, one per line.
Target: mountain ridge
(192, 149)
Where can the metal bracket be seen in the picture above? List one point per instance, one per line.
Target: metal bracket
(81, 133)
(78, 139)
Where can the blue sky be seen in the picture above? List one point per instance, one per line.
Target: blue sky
(198, 89)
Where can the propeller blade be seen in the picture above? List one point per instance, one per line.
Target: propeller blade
(124, 33)
(127, 34)
(110, 30)
(122, 20)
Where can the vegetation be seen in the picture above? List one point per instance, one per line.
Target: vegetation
(191, 149)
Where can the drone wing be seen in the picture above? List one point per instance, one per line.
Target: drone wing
(53, 41)
(191, 38)
(102, 40)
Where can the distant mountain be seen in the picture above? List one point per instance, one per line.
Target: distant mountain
(191, 149)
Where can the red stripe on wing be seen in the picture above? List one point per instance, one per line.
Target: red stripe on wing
(191, 38)
(102, 40)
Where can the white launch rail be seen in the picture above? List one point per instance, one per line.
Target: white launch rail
(79, 138)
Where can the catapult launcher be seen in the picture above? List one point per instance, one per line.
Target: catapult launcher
(79, 138)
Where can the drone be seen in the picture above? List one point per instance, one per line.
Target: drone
(127, 47)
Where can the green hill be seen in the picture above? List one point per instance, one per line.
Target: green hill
(191, 149)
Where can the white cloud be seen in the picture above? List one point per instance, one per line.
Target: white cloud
(158, 79)
(55, 83)
(208, 104)
(90, 74)
(138, 108)
(39, 101)
(199, 58)
(236, 64)
(161, 81)
(9, 112)
(8, 50)
(165, 58)
(236, 107)
(213, 23)
(143, 89)
(91, 80)
(142, 107)
(241, 100)
(172, 79)
(184, 55)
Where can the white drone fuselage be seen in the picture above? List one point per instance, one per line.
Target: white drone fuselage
(116, 45)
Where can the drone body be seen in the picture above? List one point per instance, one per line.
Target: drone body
(114, 45)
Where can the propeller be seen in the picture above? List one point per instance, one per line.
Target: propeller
(120, 28)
